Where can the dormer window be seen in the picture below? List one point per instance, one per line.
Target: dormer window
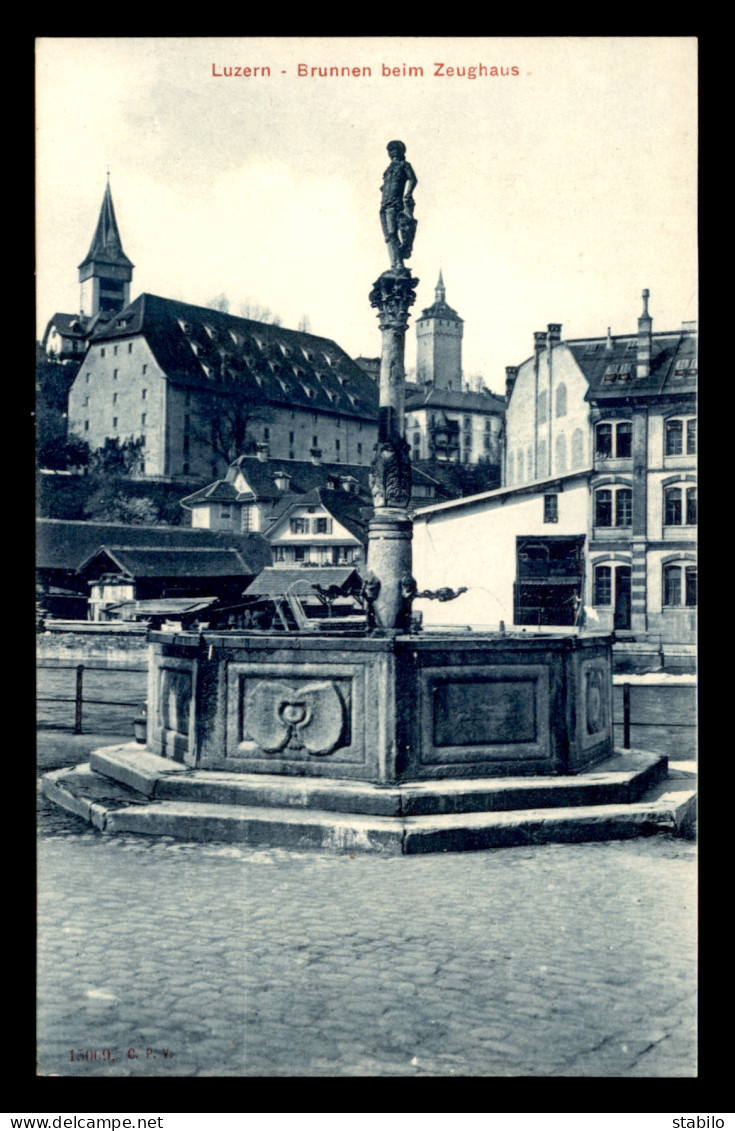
(309, 392)
(306, 354)
(210, 330)
(283, 385)
(283, 349)
(234, 337)
(185, 326)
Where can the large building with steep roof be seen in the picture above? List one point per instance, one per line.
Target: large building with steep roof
(199, 385)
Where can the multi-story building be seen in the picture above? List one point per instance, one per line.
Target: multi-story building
(454, 427)
(196, 386)
(447, 420)
(599, 503)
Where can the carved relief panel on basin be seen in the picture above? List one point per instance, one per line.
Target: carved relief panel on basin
(594, 697)
(292, 715)
(173, 717)
(278, 715)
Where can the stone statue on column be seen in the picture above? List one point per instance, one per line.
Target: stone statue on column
(397, 205)
(390, 530)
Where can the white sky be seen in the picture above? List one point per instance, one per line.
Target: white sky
(554, 196)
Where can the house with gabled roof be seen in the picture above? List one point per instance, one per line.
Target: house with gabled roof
(597, 516)
(257, 491)
(107, 563)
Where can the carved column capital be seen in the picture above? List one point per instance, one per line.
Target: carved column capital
(393, 293)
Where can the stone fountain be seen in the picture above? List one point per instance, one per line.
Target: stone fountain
(394, 740)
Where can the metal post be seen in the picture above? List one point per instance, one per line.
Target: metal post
(626, 716)
(78, 701)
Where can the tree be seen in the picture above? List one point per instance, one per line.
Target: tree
(63, 452)
(54, 379)
(219, 302)
(225, 422)
(116, 458)
(305, 324)
(113, 505)
(258, 313)
(463, 479)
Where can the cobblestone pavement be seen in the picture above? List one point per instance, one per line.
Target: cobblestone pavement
(216, 960)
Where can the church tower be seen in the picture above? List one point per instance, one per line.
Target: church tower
(105, 273)
(439, 344)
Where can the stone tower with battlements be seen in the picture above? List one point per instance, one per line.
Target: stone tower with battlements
(439, 344)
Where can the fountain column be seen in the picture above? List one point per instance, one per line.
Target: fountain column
(390, 586)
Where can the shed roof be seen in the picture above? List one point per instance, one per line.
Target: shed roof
(64, 545)
(136, 562)
(276, 582)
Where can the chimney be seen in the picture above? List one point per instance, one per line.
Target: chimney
(539, 341)
(554, 333)
(609, 343)
(511, 374)
(316, 455)
(645, 330)
(262, 450)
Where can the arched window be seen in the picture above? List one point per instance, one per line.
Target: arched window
(529, 461)
(614, 439)
(520, 467)
(542, 465)
(561, 453)
(561, 400)
(542, 408)
(680, 505)
(577, 448)
(602, 592)
(511, 468)
(681, 436)
(613, 506)
(679, 585)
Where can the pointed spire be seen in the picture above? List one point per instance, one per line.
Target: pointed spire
(106, 246)
(440, 291)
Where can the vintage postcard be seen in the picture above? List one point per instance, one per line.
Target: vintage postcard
(366, 408)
